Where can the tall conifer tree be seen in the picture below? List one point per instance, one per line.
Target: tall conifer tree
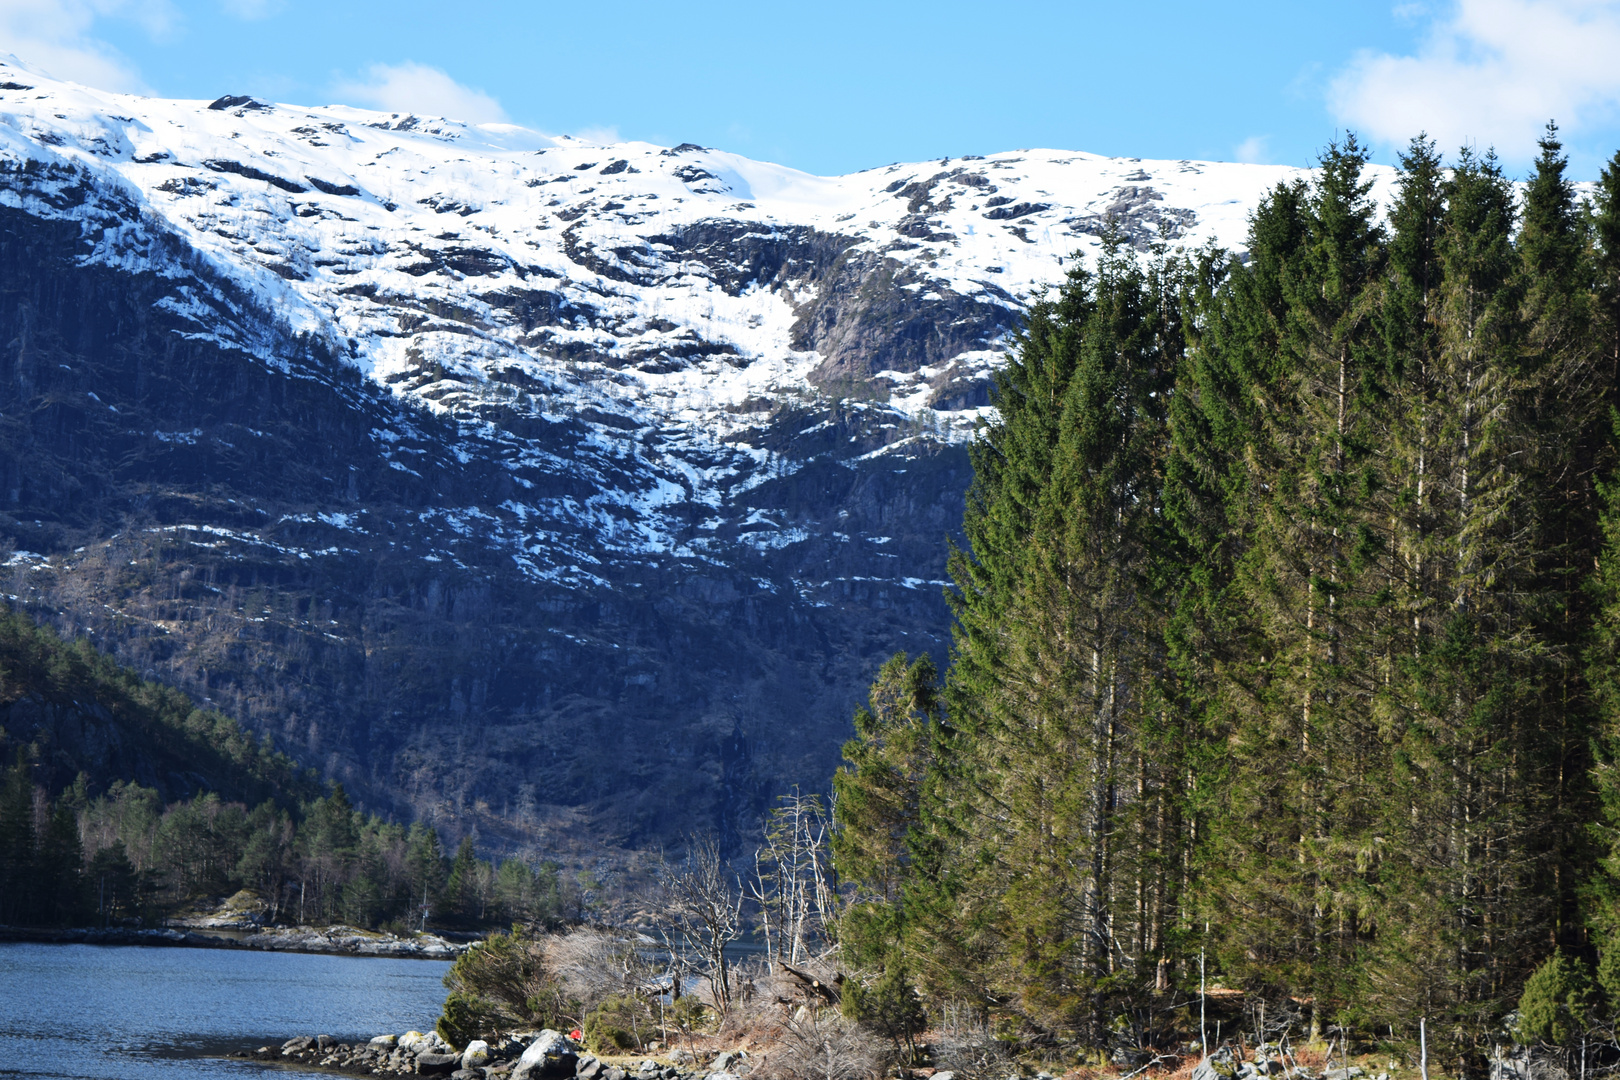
(1059, 804)
(1309, 580)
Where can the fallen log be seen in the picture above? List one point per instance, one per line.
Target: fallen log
(828, 992)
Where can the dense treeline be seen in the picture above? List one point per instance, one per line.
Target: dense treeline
(77, 860)
(253, 820)
(1287, 633)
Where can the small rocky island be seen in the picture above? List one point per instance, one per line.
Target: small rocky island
(548, 1055)
(345, 940)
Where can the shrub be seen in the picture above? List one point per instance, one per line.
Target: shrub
(466, 1018)
(591, 966)
(1608, 972)
(889, 1007)
(617, 1024)
(499, 984)
(824, 1046)
(1556, 1001)
(689, 1014)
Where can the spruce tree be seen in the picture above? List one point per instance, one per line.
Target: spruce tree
(1565, 399)
(19, 856)
(1606, 271)
(1056, 797)
(461, 891)
(1311, 581)
(877, 799)
(427, 869)
(1557, 1003)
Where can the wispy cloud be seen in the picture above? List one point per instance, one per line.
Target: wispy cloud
(417, 88)
(1490, 72)
(55, 37)
(1254, 150)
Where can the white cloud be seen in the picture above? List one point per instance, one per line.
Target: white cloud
(1253, 150)
(417, 88)
(53, 36)
(1490, 73)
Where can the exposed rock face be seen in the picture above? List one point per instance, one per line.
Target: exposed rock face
(570, 492)
(257, 549)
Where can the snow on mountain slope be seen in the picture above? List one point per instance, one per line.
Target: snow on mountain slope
(465, 459)
(678, 290)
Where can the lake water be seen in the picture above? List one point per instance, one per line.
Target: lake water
(133, 1013)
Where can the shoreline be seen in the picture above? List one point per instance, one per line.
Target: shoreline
(543, 1055)
(325, 941)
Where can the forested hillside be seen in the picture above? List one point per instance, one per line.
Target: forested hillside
(1286, 637)
(119, 800)
(78, 711)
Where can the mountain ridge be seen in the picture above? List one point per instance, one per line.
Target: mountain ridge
(567, 492)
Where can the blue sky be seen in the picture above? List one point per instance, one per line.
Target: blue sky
(839, 86)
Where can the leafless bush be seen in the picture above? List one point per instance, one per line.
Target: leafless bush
(591, 965)
(821, 1045)
(967, 1048)
(757, 1011)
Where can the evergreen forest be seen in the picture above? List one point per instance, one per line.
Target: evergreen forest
(1285, 657)
(108, 850)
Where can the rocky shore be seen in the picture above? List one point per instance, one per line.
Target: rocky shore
(306, 939)
(548, 1055)
(347, 939)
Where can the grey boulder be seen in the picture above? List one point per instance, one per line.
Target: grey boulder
(1217, 1066)
(431, 1063)
(551, 1054)
(724, 1061)
(476, 1055)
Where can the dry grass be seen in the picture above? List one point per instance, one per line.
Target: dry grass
(784, 1037)
(1182, 1069)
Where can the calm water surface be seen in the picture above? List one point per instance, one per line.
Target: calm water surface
(133, 1013)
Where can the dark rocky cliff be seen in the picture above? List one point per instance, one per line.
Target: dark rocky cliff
(570, 492)
(230, 526)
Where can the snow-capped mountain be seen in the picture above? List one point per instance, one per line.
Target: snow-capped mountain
(475, 463)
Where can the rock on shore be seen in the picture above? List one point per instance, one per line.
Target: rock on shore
(548, 1055)
(347, 939)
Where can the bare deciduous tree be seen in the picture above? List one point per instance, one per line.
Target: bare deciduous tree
(793, 879)
(703, 900)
